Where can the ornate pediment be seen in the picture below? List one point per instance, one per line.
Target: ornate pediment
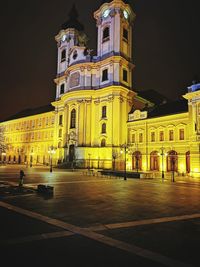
(137, 115)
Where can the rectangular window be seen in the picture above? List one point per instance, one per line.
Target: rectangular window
(181, 134)
(125, 34)
(105, 75)
(171, 135)
(104, 112)
(60, 119)
(161, 136)
(125, 75)
(140, 138)
(153, 137)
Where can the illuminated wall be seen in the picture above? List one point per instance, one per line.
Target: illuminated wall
(29, 138)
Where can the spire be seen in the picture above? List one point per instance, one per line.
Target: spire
(73, 22)
(108, 1)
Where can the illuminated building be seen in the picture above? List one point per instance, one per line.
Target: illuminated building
(96, 111)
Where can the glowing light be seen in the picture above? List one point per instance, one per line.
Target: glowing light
(106, 13)
(125, 14)
(64, 37)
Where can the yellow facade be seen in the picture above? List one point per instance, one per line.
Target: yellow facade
(28, 139)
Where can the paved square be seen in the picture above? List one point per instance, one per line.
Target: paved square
(100, 221)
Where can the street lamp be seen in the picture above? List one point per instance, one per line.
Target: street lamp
(124, 146)
(51, 151)
(162, 154)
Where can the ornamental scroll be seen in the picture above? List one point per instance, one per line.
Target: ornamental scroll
(74, 80)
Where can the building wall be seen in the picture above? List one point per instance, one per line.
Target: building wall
(29, 139)
(155, 144)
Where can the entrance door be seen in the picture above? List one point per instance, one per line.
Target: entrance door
(172, 161)
(188, 161)
(71, 153)
(154, 161)
(137, 161)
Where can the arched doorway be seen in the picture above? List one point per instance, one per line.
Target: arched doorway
(172, 161)
(19, 159)
(154, 161)
(137, 161)
(71, 153)
(188, 161)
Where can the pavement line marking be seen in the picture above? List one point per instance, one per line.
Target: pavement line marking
(143, 222)
(70, 182)
(36, 238)
(144, 253)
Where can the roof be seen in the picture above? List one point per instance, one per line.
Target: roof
(73, 22)
(170, 108)
(30, 112)
(153, 96)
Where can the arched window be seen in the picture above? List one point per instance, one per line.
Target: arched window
(62, 89)
(106, 34)
(63, 55)
(73, 119)
(103, 128)
(103, 143)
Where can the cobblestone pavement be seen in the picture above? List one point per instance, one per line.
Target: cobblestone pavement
(98, 221)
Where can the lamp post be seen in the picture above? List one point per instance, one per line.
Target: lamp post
(162, 154)
(125, 151)
(51, 151)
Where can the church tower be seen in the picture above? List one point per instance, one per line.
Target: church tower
(114, 22)
(94, 93)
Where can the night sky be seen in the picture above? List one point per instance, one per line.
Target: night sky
(166, 47)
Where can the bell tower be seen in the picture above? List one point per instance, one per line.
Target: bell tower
(114, 23)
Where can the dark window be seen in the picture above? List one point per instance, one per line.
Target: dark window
(105, 75)
(103, 143)
(181, 134)
(106, 33)
(73, 119)
(161, 136)
(153, 137)
(103, 128)
(171, 135)
(104, 112)
(125, 34)
(62, 89)
(125, 75)
(60, 119)
(63, 55)
(75, 55)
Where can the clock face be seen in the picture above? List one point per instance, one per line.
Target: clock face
(64, 38)
(125, 14)
(106, 13)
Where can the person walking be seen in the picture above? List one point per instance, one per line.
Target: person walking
(21, 178)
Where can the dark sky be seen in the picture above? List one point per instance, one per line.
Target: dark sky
(166, 47)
